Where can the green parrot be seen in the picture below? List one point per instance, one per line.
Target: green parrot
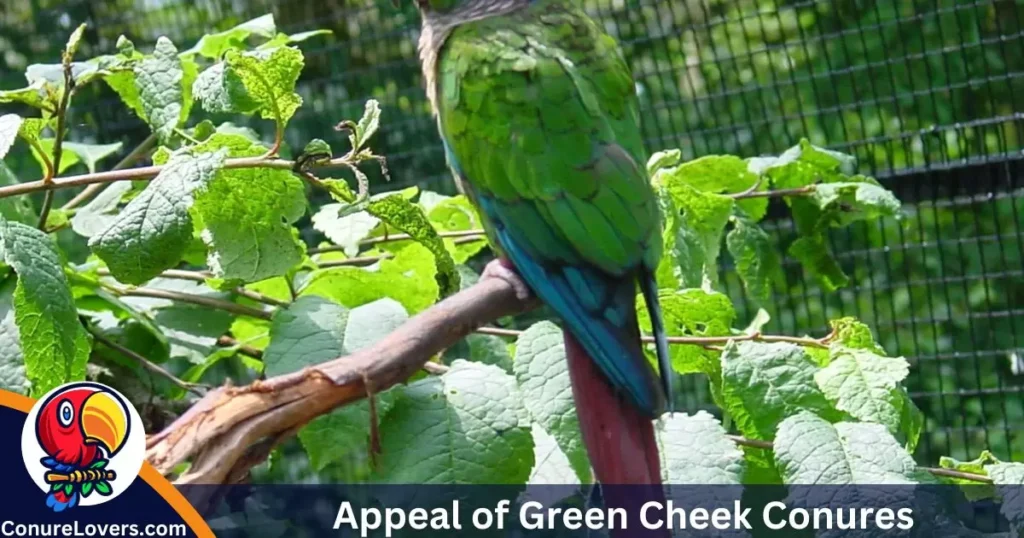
(541, 128)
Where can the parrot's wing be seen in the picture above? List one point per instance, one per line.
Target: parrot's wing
(540, 120)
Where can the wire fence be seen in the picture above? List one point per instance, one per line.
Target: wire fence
(926, 94)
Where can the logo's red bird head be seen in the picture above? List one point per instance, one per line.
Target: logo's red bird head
(76, 423)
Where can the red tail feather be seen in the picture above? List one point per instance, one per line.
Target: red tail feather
(620, 441)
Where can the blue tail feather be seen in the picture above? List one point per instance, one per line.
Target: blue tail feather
(599, 310)
(650, 291)
(60, 502)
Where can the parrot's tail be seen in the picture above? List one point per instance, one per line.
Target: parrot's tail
(59, 501)
(619, 439)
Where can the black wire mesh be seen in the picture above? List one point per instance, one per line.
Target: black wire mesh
(927, 95)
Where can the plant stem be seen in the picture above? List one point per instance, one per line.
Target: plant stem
(466, 235)
(143, 361)
(227, 341)
(948, 473)
(201, 276)
(209, 302)
(141, 173)
(58, 143)
(127, 161)
(780, 193)
(705, 341)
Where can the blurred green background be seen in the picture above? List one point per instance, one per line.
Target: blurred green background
(927, 94)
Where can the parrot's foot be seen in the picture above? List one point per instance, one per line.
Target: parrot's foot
(500, 268)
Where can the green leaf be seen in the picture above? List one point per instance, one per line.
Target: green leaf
(91, 154)
(367, 126)
(852, 201)
(695, 450)
(269, 78)
(482, 348)
(192, 331)
(158, 79)
(221, 90)
(38, 94)
(457, 214)
(692, 312)
(757, 261)
(73, 41)
(1009, 479)
(408, 278)
(67, 160)
(298, 37)
(552, 466)
(542, 373)
(863, 384)
(125, 46)
(682, 262)
(313, 330)
(344, 230)
(68, 488)
(9, 126)
(15, 208)
(342, 436)
(87, 489)
(12, 361)
(812, 252)
(663, 159)
(103, 487)
(762, 384)
(855, 335)
(699, 231)
(399, 213)
(309, 331)
(720, 174)
(53, 342)
(99, 464)
(248, 214)
(123, 84)
(973, 490)
(805, 164)
(810, 450)
(100, 212)
(911, 419)
(464, 427)
(213, 46)
(153, 231)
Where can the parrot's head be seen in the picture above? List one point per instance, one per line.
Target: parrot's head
(441, 17)
(460, 11)
(76, 423)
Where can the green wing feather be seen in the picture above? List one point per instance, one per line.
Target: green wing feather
(539, 109)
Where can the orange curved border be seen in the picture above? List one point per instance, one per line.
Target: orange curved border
(148, 474)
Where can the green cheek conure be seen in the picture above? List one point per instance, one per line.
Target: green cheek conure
(540, 122)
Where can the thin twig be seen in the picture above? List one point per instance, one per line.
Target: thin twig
(201, 276)
(136, 154)
(144, 362)
(472, 234)
(706, 341)
(948, 473)
(355, 262)
(58, 142)
(779, 193)
(244, 349)
(200, 300)
(139, 174)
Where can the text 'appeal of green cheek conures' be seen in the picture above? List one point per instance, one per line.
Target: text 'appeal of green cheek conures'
(539, 117)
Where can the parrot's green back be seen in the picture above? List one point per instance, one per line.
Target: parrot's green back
(540, 120)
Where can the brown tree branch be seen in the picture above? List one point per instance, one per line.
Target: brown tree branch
(141, 173)
(220, 429)
(136, 154)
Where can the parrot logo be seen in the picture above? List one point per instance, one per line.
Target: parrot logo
(83, 444)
